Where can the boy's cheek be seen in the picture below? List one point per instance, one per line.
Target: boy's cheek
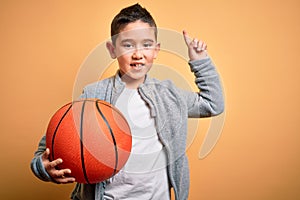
(124, 53)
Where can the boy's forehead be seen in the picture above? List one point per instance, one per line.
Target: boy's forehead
(137, 29)
(137, 33)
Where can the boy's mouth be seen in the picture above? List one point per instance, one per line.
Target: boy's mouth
(137, 65)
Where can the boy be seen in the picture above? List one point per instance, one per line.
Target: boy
(156, 111)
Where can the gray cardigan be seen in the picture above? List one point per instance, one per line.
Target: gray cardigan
(170, 107)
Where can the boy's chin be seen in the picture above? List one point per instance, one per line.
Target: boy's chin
(136, 75)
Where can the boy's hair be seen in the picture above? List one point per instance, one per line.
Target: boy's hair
(131, 14)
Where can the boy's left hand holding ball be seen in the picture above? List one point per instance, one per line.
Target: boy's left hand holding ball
(58, 175)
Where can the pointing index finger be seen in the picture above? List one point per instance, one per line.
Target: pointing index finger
(186, 37)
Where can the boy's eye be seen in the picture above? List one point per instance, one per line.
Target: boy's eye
(148, 45)
(128, 45)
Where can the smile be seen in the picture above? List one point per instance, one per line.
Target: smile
(137, 65)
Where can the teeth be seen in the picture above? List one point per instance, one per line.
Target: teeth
(137, 65)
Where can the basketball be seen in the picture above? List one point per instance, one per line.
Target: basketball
(92, 138)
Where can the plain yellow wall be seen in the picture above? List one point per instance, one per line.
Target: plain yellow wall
(255, 45)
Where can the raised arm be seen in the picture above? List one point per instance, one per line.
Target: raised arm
(209, 100)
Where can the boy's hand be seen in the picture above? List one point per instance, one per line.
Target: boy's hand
(196, 48)
(59, 176)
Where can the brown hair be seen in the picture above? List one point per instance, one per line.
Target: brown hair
(130, 14)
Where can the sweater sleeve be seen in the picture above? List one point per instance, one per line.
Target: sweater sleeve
(37, 166)
(209, 100)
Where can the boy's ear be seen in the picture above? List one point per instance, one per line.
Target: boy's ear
(157, 48)
(111, 49)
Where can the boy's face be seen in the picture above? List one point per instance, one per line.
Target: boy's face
(135, 49)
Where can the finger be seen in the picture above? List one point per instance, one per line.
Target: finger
(187, 38)
(195, 43)
(65, 172)
(58, 174)
(65, 180)
(63, 176)
(46, 154)
(61, 173)
(204, 47)
(200, 46)
(56, 162)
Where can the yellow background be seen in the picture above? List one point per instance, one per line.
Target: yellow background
(255, 45)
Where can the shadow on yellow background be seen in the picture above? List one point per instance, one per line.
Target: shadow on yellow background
(255, 45)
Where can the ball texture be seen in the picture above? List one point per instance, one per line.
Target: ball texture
(92, 138)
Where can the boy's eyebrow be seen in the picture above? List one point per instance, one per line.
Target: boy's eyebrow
(132, 40)
(126, 40)
(149, 40)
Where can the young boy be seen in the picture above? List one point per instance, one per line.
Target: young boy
(156, 111)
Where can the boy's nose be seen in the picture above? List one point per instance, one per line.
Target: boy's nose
(137, 54)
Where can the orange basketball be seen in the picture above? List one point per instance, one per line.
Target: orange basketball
(91, 137)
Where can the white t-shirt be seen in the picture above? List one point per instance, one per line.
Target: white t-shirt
(145, 174)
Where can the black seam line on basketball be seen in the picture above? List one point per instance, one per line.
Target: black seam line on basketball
(55, 131)
(81, 143)
(112, 135)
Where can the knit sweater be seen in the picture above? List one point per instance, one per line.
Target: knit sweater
(170, 107)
